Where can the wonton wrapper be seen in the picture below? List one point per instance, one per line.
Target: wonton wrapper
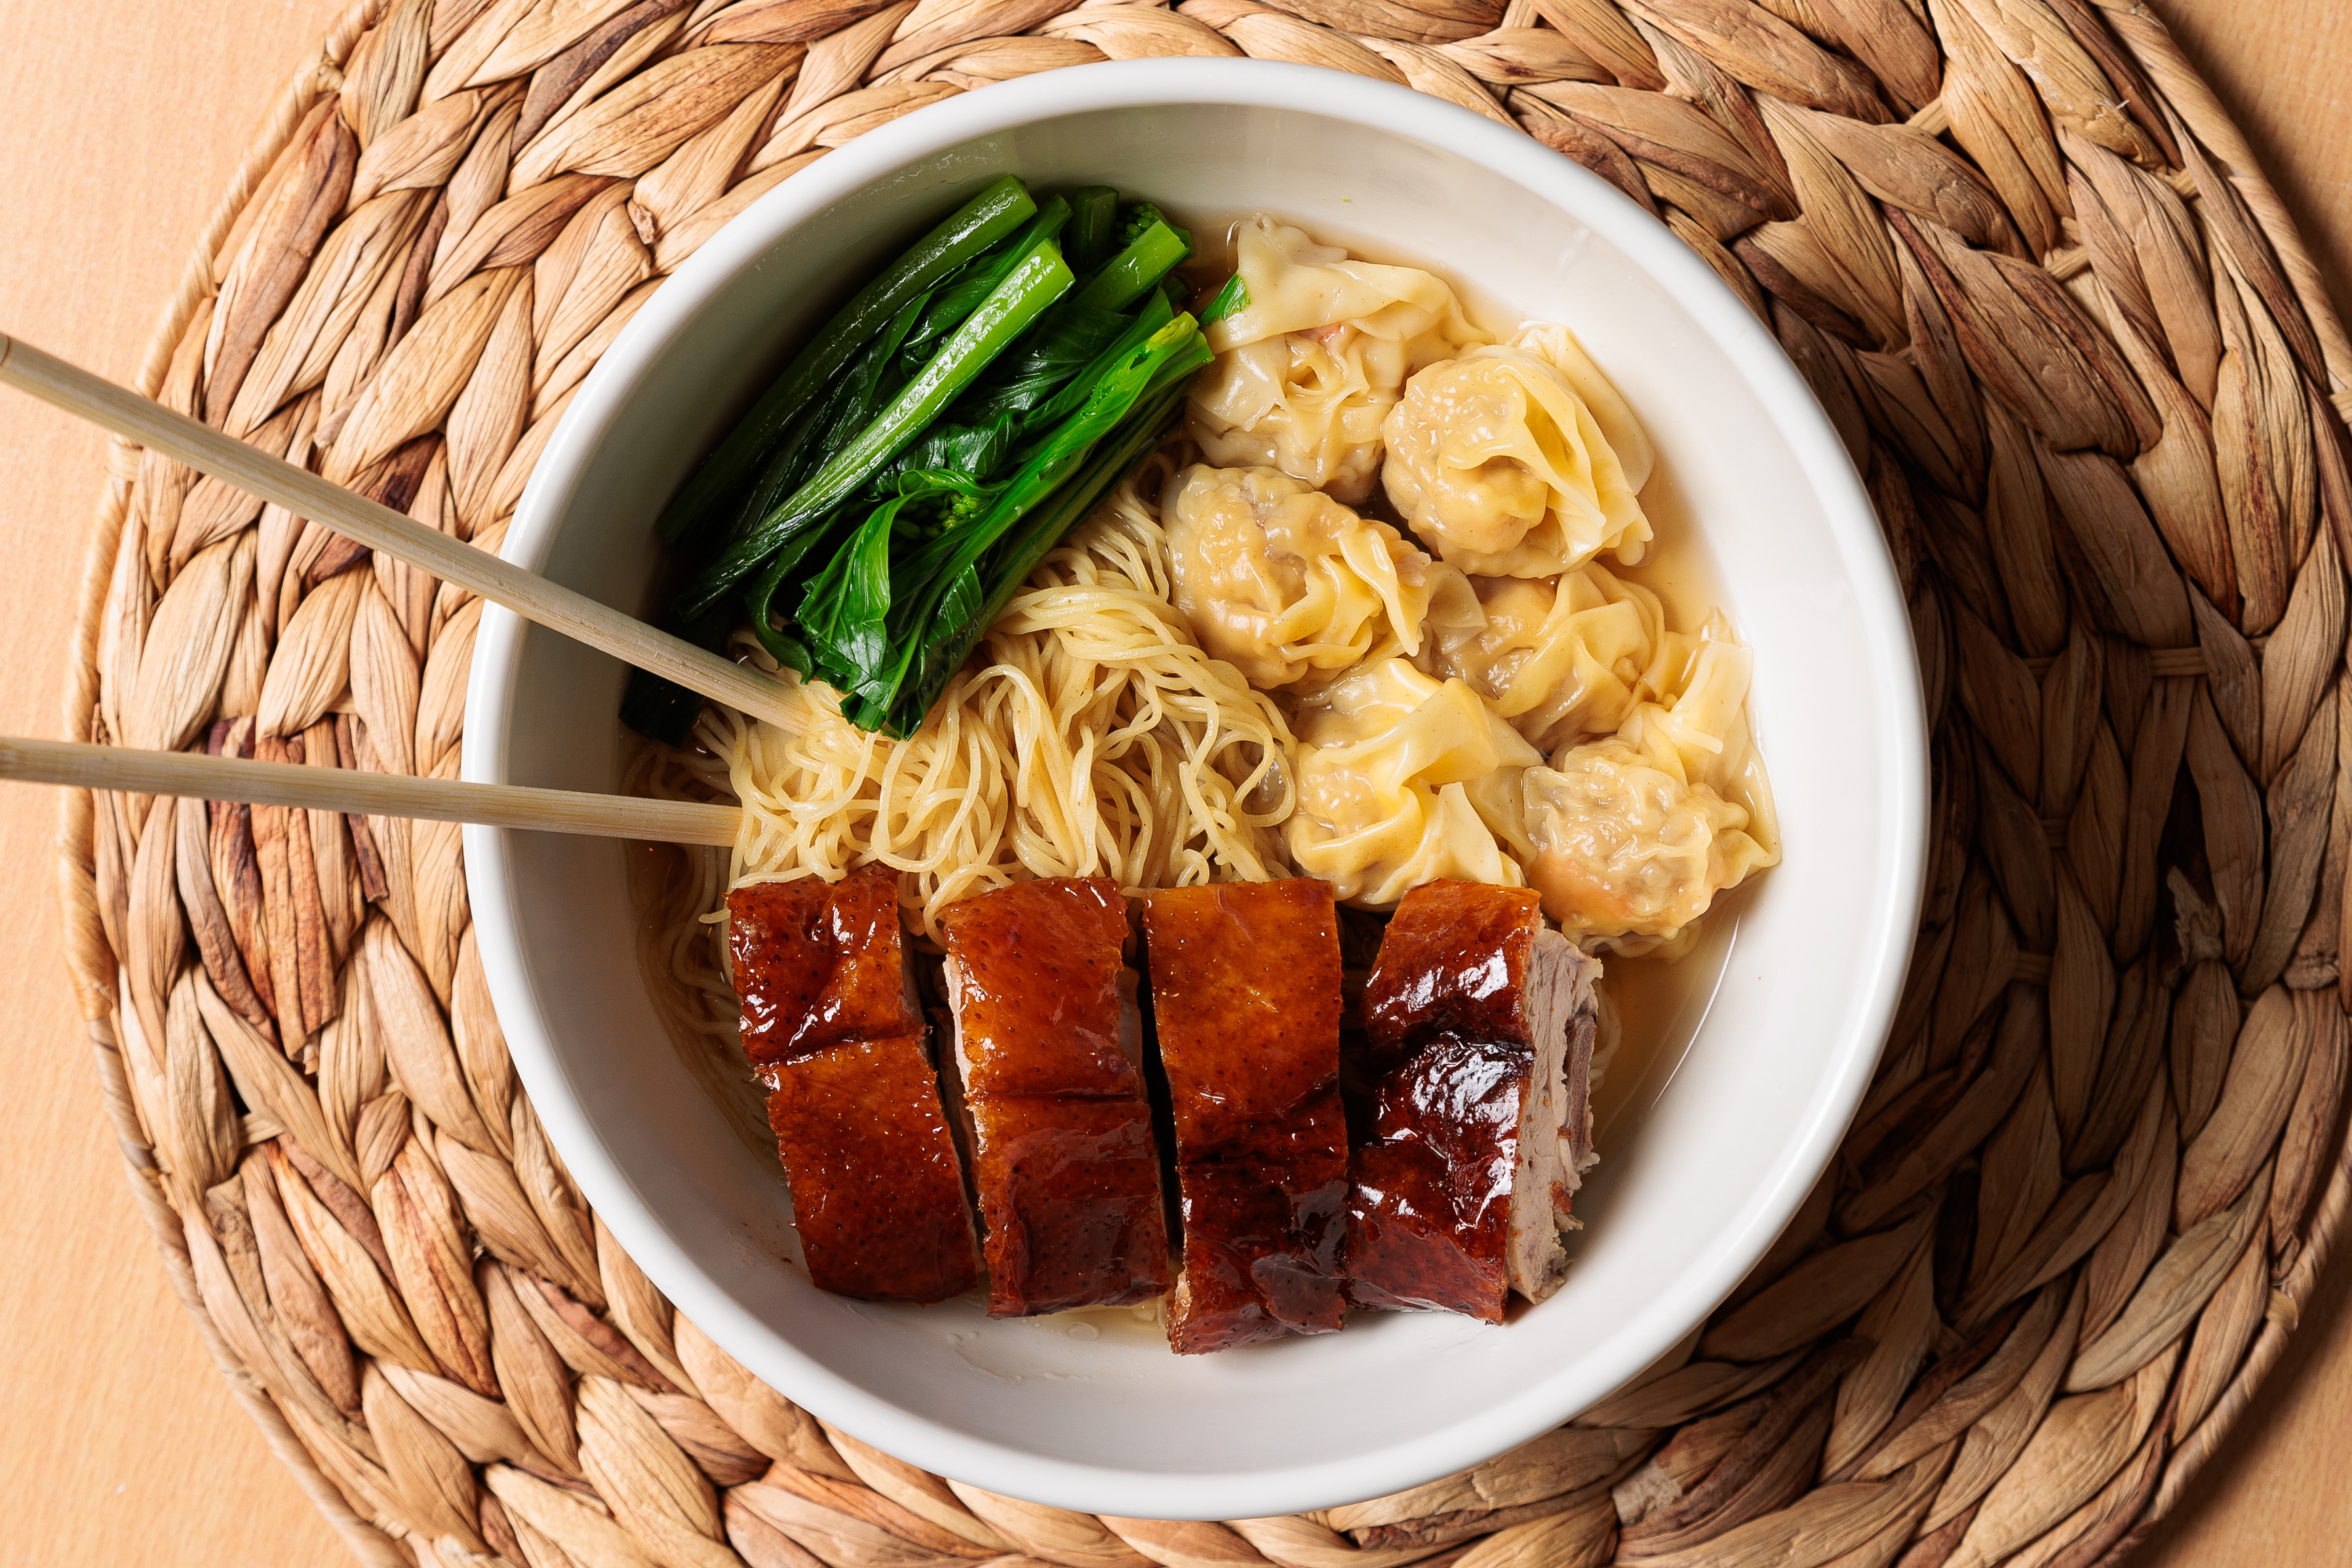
(1284, 583)
(1506, 469)
(1634, 834)
(1562, 659)
(1304, 371)
(1404, 780)
(1558, 347)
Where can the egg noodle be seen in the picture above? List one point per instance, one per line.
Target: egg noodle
(1092, 737)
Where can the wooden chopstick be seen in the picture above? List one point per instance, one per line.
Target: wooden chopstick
(377, 526)
(135, 771)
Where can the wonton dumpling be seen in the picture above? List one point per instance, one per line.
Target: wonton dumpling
(1506, 469)
(1558, 347)
(1304, 369)
(1561, 660)
(1625, 849)
(1634, 834)
(1284, 583)
(1403, 779)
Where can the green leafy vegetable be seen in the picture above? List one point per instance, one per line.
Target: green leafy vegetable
(1153, 314)
(760, 603)
(876, 512)
(971, 615)
(846, 611)
(1135, 218)
(1000, 208)
(861, 394)
(1035, 281)
(961, 448)
(933, 612)
(1058, 348)
(849, 604)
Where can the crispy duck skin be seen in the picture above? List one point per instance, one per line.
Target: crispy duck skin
(1247, 999)
(1452, 962)
(1480, 1025)
(1047, 1044)
(818, 963)
(877, 1195)
(831, 1027)
(1430, 1208)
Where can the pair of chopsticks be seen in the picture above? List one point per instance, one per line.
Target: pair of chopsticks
(378, 527)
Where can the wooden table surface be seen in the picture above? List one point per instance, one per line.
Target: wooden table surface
(119, 1442)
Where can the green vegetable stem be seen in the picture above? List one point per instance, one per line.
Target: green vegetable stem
(1234, 295)
(1094, 227)
(1146, 260)
(1002, 205)
(1036, 279)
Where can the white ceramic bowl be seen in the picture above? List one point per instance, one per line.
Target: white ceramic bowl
(1734, 1140)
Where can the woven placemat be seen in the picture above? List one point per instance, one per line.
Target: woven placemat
(2074, 345)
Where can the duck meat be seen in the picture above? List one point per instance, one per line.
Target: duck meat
(1245, 994)
(1048, 1047)
(833, 1029)
(1480, 1025)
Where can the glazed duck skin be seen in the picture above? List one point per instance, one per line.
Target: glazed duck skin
(1047, 1045)
(1453, 961)
(1070, 1189)
(852, 1094)
(877, 1195)
(1429, 1210)
(1247, 997)
(1481, 1024)
(819, 962)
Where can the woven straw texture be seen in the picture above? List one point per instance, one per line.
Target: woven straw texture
(2073, 343)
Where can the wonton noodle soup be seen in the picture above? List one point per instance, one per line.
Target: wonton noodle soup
(1374, 612)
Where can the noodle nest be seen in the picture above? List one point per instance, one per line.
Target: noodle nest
(1091, 736)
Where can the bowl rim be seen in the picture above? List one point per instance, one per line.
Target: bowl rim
(1898, 883)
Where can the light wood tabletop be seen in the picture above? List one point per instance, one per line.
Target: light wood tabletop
(119, 1441)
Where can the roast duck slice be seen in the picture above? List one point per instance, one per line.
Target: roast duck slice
(1048, 1051)
(1245, 1002)
(831, 1029)
(1479, 1025)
